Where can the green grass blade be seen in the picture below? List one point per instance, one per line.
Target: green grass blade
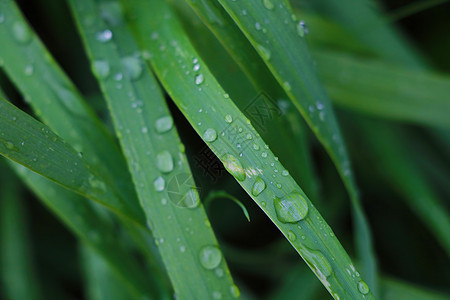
(101, 283)
(58, 104)
(18, 274)
(93, 227)
(271, 31)
(389, 149)
(156, 162)
(385, 91)
(214, 116)
(394, 289)
(32, 144)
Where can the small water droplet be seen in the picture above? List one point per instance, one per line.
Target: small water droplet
(21, 32)
(228, 119)
(104, 36)
(258, 186)
(287, 86)
(196, 67)
(234, 291)
(279, 185)
(144, 129)
(363, 287)
(164, 124)
(159, 184)
(264, 52)
(249, 136)
(29, 69)
(217, 295)
(233, 166)
(264, 154)
(226, 96)
(319, 105)
(258, 26)
(101, 68)
(118, 76)
(210, 257)
(164, 161)
(291, 208)
(255, 147)
(219, 272)
(285, 173)
(268, 4)
(9, 145)
(210, 135)
(182, 249)
(263, 203)
(199, 79)
(291, 236)
(191, 199)
(133, 67)
(302, 29)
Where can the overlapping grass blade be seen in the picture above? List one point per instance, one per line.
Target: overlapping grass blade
(394, 289)
(59, 105)
(385, 91)
(101, 283)
(18, 273)
(152, 147)
(32, 144)
(271, 31)
(245, 155)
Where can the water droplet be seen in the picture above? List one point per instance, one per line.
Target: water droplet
(191, 199)
(268, 4)
(285, 173)
(258, 186)
(228, 119)
(263, 203)
(196, 67)
(112, 13)
(317, 261)
(219, 272)
(217, 295)
(210, 135)
(255, 147)
(9, 145)
(233, 166)
(182, 249)
(319, 105)
(279, 185)
(264, 154)
(118, 76)
(291, 208)
(226, 96)
(104, 36)
(291, 236)
(133, 67)
(363, 287)
(249, 136)
(101, 68)
(164, 124)
(210, 257)
(144, 129)
(287, 86)
(264, 52)
(21, 32)
(164, 161)
(159, 184)
(29, 69)
(234, 291)
(199, 79)
(302, 29)
(258, 26)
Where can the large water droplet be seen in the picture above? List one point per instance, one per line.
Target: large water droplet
(104, 36)
(210, 135)
(112, 13)
(191, 199)
(233, 166)
(264, 52)
(363, 287)
(133, 67)
(268, 4)
(164, 124)
(101, 68)
(159, 184)
(258, 186)
(210, 257)
(317, 261)
(291, 208)
(21, 32)
(199, 79)
(164, 161)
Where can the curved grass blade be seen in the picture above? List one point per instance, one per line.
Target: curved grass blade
(18, 273)
(32, 144)
(93, 227)
(59, 105)
(280, 43)
(151, 144)
(245, 155)
(387, 91)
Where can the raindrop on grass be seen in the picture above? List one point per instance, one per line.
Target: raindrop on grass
(133, 67)
(164, 161)
(234, 291)
(9, 145)
(233, 166)
(228, 119)
(210, 257)
(159, 184)
(258, 186)
(268, 4)
(291, 208)
(164, 124)
(104, 36)
(191, 198)
(210, 135)
(264, 52)
(29, 70)
(199, 79)
(363, 287)
(302, 29)
(285, 173)
(101, 68)
(291, 236)
(21, 32)
(264, 154)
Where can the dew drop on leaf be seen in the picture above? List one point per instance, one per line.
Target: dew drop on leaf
(21, 32)
(159, 184)
(164, 124)
(233, 165)
(210, 135)
(164, 161)
(363, 287)
(133, 67)
(258, 186)
(291, 208)
(101, 69)
(210, 257)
